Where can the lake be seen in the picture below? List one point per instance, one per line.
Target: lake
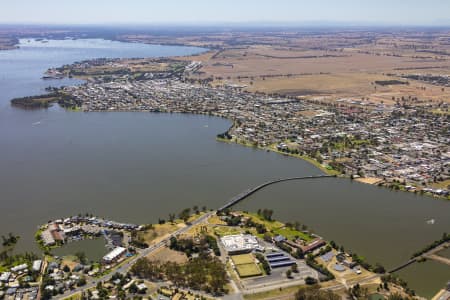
(138, 167)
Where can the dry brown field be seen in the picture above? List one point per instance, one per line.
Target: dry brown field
(343, 65)
(327, 64)
(165, 254)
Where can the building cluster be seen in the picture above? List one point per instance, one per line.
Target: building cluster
(402, 144)
(20, 281)
(77, 227)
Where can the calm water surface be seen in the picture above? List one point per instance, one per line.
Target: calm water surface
(94, 249)
(138, 167)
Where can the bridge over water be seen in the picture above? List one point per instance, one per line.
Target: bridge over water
(238, 198)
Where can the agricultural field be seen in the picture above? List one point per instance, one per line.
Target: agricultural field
(330, 67)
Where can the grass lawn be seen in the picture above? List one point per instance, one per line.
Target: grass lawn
(223, 231)
(216, 220)
(292, 233)
(248, 270)
(277, 227)
(245, 265)
(242, 259)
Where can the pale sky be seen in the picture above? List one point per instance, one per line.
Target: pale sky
(373, 12)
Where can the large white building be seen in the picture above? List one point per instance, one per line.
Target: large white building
(37, 264)
(114, 255)
(240, 243)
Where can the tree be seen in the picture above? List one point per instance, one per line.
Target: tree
(397, 296)
(260, 228)
(289, 273)
(264, 262)
(299, 254)
(294, 268)
(266, 214)
(379, 269)
(314, 293)
(81, 281)
(171, 218)
(195, 209)
(133, 289)
(310, 280)
(185, 214)
(46, 294)
(81, 257)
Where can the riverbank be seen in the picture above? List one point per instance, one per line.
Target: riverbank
(324, 169)
(330, 171)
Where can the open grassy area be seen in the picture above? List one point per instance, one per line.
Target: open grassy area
(223, 231)
(291, 233)
(248, 270)
(276, 227)
(277, 292)
(245, 265)
(157, 232)
(216, 220)
(242, 259)
(167, 255)
(325, 169)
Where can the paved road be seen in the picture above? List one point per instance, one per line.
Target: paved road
(125, 267)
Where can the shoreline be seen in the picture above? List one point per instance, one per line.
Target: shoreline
(303, 157)
(64, 100)
(378, 183)
(33, 102)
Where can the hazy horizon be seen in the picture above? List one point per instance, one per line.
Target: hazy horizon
(227, 13)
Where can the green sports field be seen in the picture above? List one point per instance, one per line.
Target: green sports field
(245, 265)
